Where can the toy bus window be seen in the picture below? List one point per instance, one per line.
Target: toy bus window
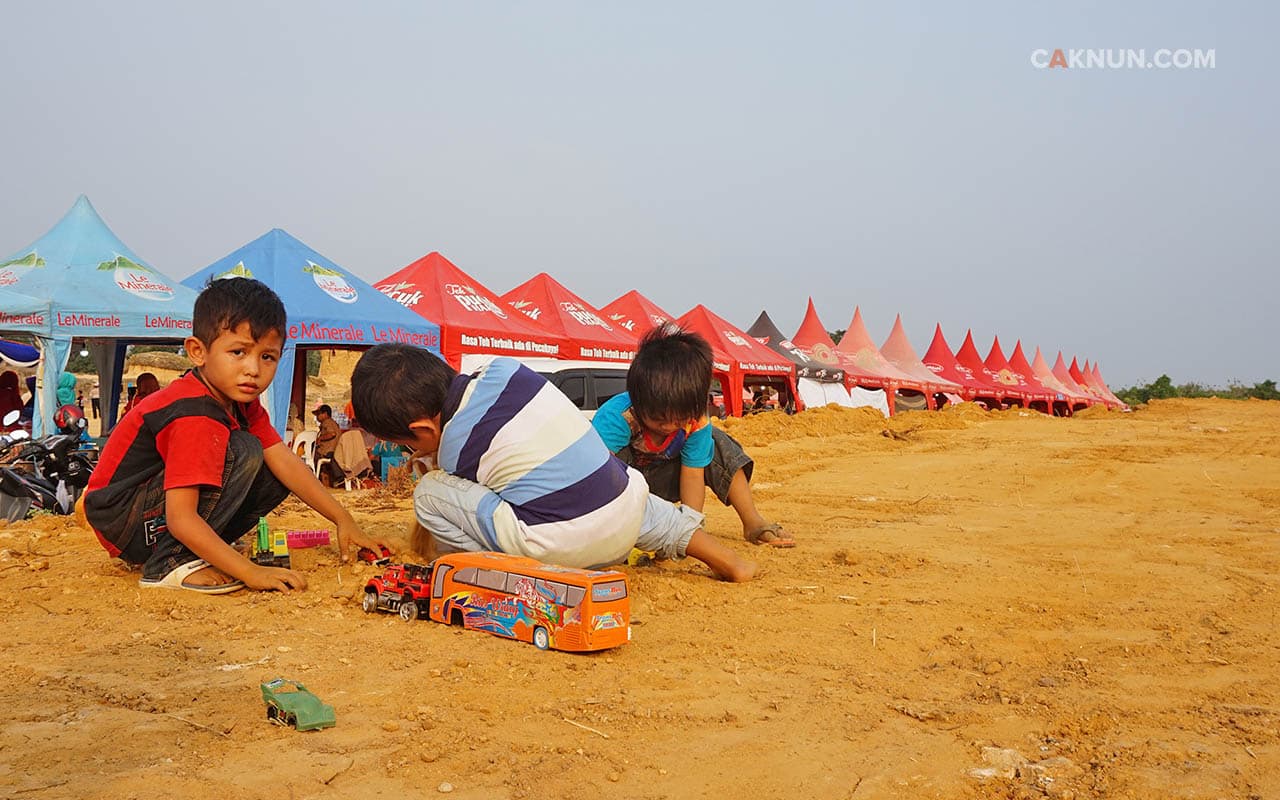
(492, 579)
(553, 592)
(575, 595)
(519, 585)
(610, 590)
(437, 590)
(467, 575)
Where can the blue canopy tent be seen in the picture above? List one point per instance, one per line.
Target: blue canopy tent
(89, 284)
(328, 308)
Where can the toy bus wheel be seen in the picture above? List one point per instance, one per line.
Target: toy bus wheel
(369, 602)
(409, 610)
(541, 639)
(456, 618)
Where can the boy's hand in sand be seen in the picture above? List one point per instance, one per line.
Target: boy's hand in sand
(264, 579)
(350, 536)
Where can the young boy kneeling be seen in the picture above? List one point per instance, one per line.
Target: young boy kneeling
(193, 466)
(521, 470)
(660, 427)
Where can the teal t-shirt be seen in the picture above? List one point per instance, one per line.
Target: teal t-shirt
(618, 429)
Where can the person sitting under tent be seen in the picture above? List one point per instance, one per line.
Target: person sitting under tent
(148, 384)
(29, 407)
(10, 397)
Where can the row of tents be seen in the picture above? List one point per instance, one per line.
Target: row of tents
(79, 281)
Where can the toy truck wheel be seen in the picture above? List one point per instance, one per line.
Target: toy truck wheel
(541, 639)
(369, 602)
(409, 609)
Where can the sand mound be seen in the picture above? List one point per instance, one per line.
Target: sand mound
(774, 426)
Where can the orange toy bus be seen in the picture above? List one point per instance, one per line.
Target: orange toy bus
(554, 607)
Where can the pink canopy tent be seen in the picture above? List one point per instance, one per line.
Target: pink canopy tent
(1094, 382)
(898, 350)
(1085, 379)
(1063, 375)
(1075, 398)
(1102, 386)
(873, 369)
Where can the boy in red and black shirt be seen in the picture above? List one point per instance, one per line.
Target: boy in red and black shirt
(192, 467)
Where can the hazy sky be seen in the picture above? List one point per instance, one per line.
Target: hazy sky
(904, 157)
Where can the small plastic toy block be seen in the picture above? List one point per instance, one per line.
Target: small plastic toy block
(365, 554)
(300, 539)
(289, 703)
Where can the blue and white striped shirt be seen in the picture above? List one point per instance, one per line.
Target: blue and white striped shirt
(560, 495)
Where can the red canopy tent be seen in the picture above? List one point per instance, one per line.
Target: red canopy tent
(1056, 402)
(1036, 397)
(1076, 398)
(898, 350)
(942, 362)
(736, 355)
(1006, 387)
(635, 313)
(1063, 375)
(471, 318)
(814, 343)
(553, 307)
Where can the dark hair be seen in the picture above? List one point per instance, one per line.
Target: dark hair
(225, 303)
(670, 377)
(323, 407)
(395, 384)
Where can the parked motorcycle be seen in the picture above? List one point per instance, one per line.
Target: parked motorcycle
(46, 474)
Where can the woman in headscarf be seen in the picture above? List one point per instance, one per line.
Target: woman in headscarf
(67, 389)
(147, 384)
(10, 397)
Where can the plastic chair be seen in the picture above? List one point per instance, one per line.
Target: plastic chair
(304, 444)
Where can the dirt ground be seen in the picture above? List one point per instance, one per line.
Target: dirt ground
(981, 605)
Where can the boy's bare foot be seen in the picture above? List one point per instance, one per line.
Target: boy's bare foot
(209, 576)
(770, 533)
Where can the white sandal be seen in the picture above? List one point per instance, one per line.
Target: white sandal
(179, 574)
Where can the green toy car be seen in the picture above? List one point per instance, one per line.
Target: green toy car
(289, 703)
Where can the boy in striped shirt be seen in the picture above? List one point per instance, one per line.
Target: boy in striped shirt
(521, 469)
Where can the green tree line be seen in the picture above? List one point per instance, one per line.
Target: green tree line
(1164, 387)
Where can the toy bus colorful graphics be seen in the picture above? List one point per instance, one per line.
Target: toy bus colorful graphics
(554, 607)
